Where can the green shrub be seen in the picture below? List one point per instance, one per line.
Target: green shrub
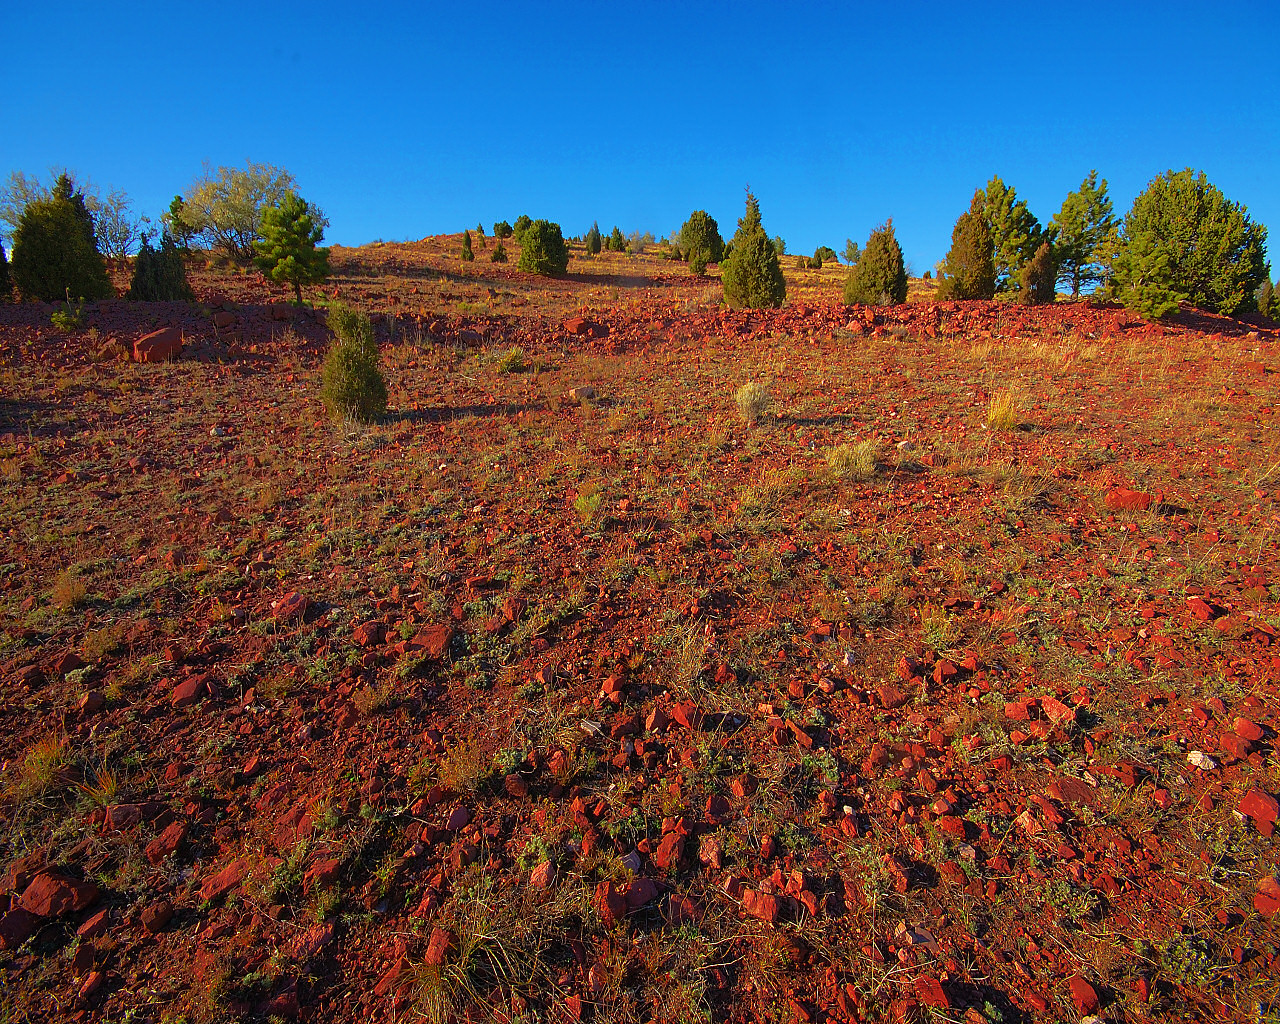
(616, 242)
(593, 241)
(501, 230)
(1038, 277)
(1184, 241)
(225, 207)
(6, 285)
(467, 255)
(499, 254)
(543, 250)
(522, 225)
(701, 234)
(1265, 300)
(750, 274)
(698, 262)
(351, 383)
(851, 252)
(512, 361)
(54, 254)
(825, 254)
(159, 275)
(879, 278)
(287, 249)
(853, 462)
(969, 270)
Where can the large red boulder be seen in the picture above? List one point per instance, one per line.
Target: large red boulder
(158, 346)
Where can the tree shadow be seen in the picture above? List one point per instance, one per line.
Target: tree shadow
(448, 414)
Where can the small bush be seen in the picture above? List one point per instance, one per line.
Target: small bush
(467, 254)
(754, 401)
(853, 462)
(825, 254)
(969, 269)
(879, 278)
(543, 250)
(351, 383)
(499, 254)
(54, 254)
(159, 275)
(521, 226)
(698, 263)
(512, 361)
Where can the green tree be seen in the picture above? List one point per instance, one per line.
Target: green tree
(287, 251)
(480, 235)
(54, 254)
(467, 254)
(750, 274)
(522, 225)
(499, 253)
(594, 241)
(501, 230)
(175, 224)
(700, 233)
(1265, 299)
(968, 271)
(1015, 232)
(879, 278)
(159, 275)
(1081, 227)
(851, 252)
(1184, 241)
(351, 384)
(779, 245)
(825, 254)
(6, 284)
(225, 207)
(616, 242)
(1038, 277)
(542, 249)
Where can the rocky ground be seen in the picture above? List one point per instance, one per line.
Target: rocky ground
(565, 694)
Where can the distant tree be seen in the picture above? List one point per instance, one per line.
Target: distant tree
(225, 207)
(1184, 241)
(54, 251)
(851, 252)
(116, 229)
(480, 234)
(750, 274)
(616, 242)
(779, 245)
(501, 230)
(594, 241)
(1038, 277)
(1015, 232)
(879, 278)
(499, 253)
(969, 270)
(542, 249)
(698, 262)
(1081, 227)
(175, 224)
(6, 284)
(701, 234)
(467, 254)
(522, 225)
(159, 275)
(825, 254)
(287, 250)
(1264, 299)
(108, 216)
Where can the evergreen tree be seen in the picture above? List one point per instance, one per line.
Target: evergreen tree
(521, 226)
(779, 245)
(1082, 226)
(159, 275)
(6, 285)
(851, 252)
(467, 254)
(480, 235)
(54, 252)
(176, 226)
(825, 254)
(499, 253)
(288, 249)
(1183, 240)
(879, 278)
(969, 270)
(700, 233)
(750, 274)
(542, 249)
(1038, 277)
(1265, 299)
(64, 190)
(1015, 232)
(594, 241)
(616, 242)
(351, 383)
(501, 230)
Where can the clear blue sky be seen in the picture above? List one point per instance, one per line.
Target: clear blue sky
(408, 119)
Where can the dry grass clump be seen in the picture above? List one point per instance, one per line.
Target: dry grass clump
(69, 591)
(754, 401)
(1003, 408)
(464, 767)
(853, 462)
(39, 769)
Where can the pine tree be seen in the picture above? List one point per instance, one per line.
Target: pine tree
(521, 226)
(1183, 240)
(467, 254)
(750, 274)
(159, 275)
(480, 235)
(1015, 232)
(594, 240)
(499, 253)
(501, 230)
(288, 249)
(1038, 277)
(851, 252)
(879, 278)
(969, 270)
(1082, 226)
(616, 242)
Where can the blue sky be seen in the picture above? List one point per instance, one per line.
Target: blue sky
(408, 119)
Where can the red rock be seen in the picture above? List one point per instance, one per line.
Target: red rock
(16, 927)
(433, 641)
(1235, 745)
(189, 691)
(1262, 808)
(223, 319)
(1267, 899)
(91, 987)
(515, 786)
(156, 916)
(610, 903)
(309, 943)
(1083, 995)
(1200, 609)
(158, 346)
(439, 946)
(225, 880)
(91, 703)
(1056, 711)
(688, 714)
(1248, 730)
(369, 634)
(52, 895)
(458, 819)
(1123, 499)
(166, 843)
(290, 607)
(890, 696)
(543, 876)
(96, 925)
(761, 904)
(640, 892)
(323, 872)
(930, 992)
(682, 910)
(66, 662)
(669, 852)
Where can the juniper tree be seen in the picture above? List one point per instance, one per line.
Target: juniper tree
(594, 241)
(159, 275)
(1038, 277)
(701, 233)
(54, 253)
(750, 274)
(542, 249)
(879, 278)
(467, 254)
(969, 270)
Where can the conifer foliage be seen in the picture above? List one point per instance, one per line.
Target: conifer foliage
(1038, 277)
(1015, 232)
(750, 274)
(700, 237)
(1082, 227)
(594, 241)
(467, 254)
(54, 252)
(288, 249)
(542, 249)
(969, 270)
(159, 275)
(351, 383)
(879, 278)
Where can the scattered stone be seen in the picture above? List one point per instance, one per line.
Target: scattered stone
(1123, 499)
(761, 904)
(53, 895)
(1083, 995)
(157, 916)
(543, 876)
(292, 607)
(158, 346)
